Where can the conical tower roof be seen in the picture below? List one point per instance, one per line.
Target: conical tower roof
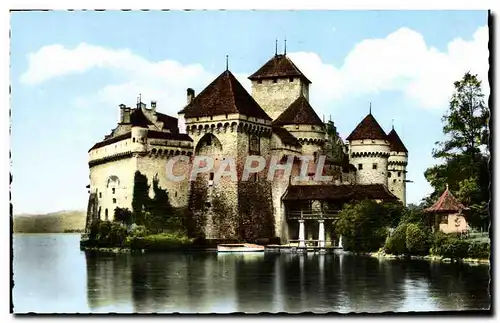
(299, 112)
(224, 95)
(395, 141)
(368, 128)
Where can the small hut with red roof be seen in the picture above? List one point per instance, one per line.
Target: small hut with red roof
(449, 213)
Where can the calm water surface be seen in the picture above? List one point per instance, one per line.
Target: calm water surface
(51, 275)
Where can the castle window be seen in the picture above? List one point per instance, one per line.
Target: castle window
(444, 219)
(133, 139)
(226, 115)
(389, 174)
(175, 194)
(374, 166)
(100, 194)
(312, 127)
(360, 166)
(373, 141)
(399, 174)
(197, 119)
(254, 145)
(106, 215)
(114, 201)
(291, 79)
(211, 117)
(211, 176)
(209, 141)
(275, 80)
(113, 190)
(394, 180)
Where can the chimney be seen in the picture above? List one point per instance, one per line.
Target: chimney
(153, 105)
(126, 115)
(122, 113)
(190, 95)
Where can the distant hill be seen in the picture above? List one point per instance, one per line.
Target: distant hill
(62, 221)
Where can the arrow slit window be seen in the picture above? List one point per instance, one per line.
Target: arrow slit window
(254, 146)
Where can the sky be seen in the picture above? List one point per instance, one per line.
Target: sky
(71, 70)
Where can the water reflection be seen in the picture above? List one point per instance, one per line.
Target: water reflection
(253, 283)
(52, 275)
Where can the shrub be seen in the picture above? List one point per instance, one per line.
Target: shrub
(161, 241)
(450, 246)
(480, 250)
(416, 240)
(137, 231)
(396, 243)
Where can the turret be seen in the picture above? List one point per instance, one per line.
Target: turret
(303, 123)
(396, 172)
(369, 150)
(139, 131)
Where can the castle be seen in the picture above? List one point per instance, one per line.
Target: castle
(224, 120)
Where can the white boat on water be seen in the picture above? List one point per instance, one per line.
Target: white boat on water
(239, 247)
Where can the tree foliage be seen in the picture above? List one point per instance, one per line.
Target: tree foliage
(156, 213)
(396, 243)
(140, 198)
(363, 225)
(464, 152)
(417, 241)
(466, 122)
(123, 215)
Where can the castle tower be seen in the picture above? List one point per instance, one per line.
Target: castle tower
(396, 172)
(369, 150)
(277, 84)
(225, 121)
(139, 130)
(303, 123)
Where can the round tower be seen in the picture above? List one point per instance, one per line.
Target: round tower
(369, 151)
(139, 130)
(396, 172)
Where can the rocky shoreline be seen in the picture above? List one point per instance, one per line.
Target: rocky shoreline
(383, 255)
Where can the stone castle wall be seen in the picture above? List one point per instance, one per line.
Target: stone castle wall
(369, 153)
(275, 97)
(102, 182)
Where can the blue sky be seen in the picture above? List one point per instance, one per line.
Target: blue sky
(71, 70)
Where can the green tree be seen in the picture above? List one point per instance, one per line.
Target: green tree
(465, 151)
(123, 215)
(466, 122)
(363, 225)
(140, 198)
(396, 243)
(417, 241)
(160, 215)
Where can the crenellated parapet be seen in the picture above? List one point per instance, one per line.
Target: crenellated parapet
(239, 126)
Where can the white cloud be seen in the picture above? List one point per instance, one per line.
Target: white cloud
(402, 62)
(165, 81)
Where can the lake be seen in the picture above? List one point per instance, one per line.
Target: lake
(52, 275)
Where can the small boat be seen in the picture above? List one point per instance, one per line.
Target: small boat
(239, 247)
